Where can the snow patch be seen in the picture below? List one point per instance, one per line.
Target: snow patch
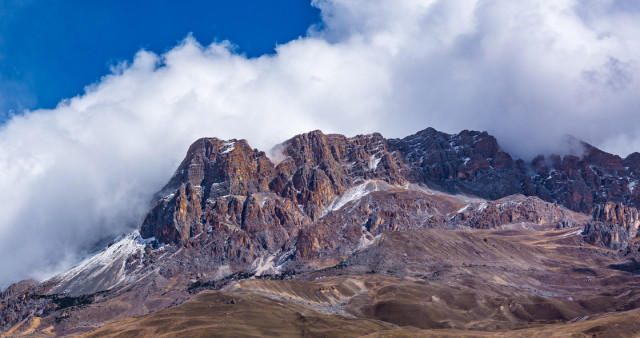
(105, 264)
(285, 257)
(573, 233)
(228, 147)
(264, 264)
(373, 162)
(261, 199)
(482, 206)
(632, 185)
(222, 272)
(365, 242)
(352, 194)
(461, 197)
(463, 209)
(369, 186)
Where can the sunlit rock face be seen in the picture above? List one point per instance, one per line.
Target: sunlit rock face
(228, 193)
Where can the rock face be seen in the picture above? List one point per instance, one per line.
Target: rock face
(613, 226)
(607, 235)
(619, 214)
(231, 197)
(468, 162)
(235, 199)
(212, 169)
(530, 212)
(17, 303)
(472, 162)
(319, 167)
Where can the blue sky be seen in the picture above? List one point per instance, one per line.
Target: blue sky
(51, 49)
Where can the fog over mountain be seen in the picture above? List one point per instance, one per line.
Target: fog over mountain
(527, 72)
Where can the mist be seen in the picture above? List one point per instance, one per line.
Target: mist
(529, 73)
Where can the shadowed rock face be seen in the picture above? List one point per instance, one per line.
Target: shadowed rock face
(472, 162)
(614, 225)
(468, 162)
(531, 212)
(620, 214)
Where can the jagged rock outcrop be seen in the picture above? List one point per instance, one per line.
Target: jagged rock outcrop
(252, 207)
(607, 235)
(470, 161)
(582, 182)
(473, 162)
(320, 167)
(17, 302)
(530, 211)
(212, 168)
(234, 198)
(619, 214)
(613, 226)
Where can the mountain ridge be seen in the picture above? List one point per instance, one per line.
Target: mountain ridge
(230, 213)
(469, 162)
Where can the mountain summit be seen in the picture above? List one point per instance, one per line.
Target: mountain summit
(449, 221)
(220, 184)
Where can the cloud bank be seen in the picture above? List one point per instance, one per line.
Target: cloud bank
(527, 72)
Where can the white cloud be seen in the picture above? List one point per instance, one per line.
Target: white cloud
(527, 71)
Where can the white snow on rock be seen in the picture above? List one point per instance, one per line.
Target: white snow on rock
(463, 208)
(222, 272)
(482, 206)
(264, 264)
(359, 191)
(373, 162)
(261, 199)
(577, 232)
(353, 194)
(103, 270)
(366, 240)
(461, 197)
(228, 147)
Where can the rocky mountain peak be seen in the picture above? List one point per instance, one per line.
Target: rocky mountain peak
(316, 169)
(467, 162)
(331, 203)
(223, 168)
(602, 159)
(345, 159)
(212, 168)
(632, 161)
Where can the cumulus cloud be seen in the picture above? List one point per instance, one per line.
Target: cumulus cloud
(528, 72)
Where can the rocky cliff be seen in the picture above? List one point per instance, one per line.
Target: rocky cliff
(473, 162)
(231, 212)
(614, 226)
(239, 195)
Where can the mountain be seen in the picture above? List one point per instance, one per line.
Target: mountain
(432, 231)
